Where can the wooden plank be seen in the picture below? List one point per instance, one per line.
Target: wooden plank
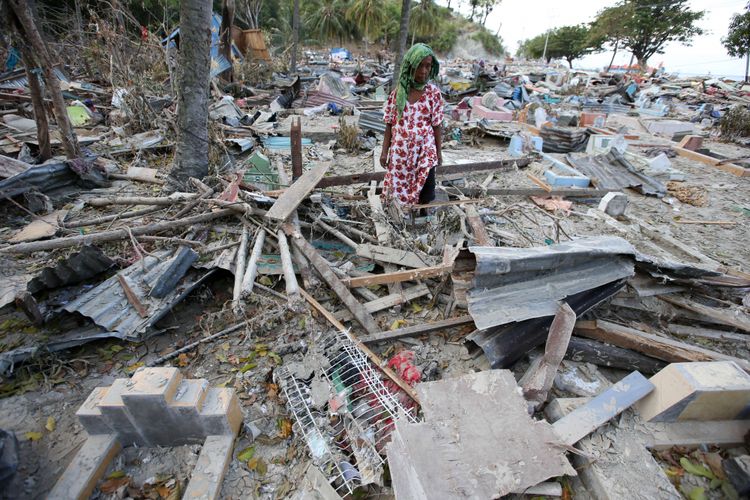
(477, 226)
(319, 263)
(601, 354)
(664, 435)
(377, 361)
(295, 138)
(568, 192)
(383, 232)
(239, 270)
(302, 265)
(731, 168)
(707, 333)
(411, 331)
(539, 182)
(398, 276)
(441, 170)
(132, 297)
(734, 318)
(296, 193)
(89, 464)
(651, 345)
(390, 255)
(610, 403)
(42, 227)
(391, 300)
(447, 203)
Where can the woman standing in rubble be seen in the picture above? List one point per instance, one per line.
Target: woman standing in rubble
(413, 120)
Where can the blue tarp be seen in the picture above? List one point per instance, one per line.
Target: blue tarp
(341, 54)
(219, 63)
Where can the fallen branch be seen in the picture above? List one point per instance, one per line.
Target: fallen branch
(114, 235)
(110, 218)
(142, 200)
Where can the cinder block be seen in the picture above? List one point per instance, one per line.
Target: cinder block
(221, 413)
(710, 390)
(147, 398)
(90, 415)
(80, 477)
(116, 414)
(670, 127)
(186, 408)
(614, 204)
(208, 474)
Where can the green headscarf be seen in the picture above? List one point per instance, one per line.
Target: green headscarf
(409, 64)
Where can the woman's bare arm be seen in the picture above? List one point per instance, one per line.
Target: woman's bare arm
(386, 145)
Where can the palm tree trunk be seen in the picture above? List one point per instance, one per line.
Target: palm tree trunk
(413, 34)
(28, 25)
(403, 33)
(617, 43)
(295, 36)
(191, 158)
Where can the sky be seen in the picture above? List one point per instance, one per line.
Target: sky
(518, 20)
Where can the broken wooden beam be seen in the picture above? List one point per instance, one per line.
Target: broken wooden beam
(398, 276)
(142, 200)
(319, 263)
(411, 331)
(239, 270)
(538, 379)
(296, 193)
(248, 280)
(736, 319)
(442, 170)
(391, 300)
(290, 280)
(601, 354)
(651, 345)
(113, 235)
(477, 226)
(295, 140)
(731, 168)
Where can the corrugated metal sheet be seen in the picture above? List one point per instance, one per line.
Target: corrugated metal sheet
(313, 98)
(77, 268)
(563, 139)
(506, 344)
(613, 171)
(516, 284)
(18, 80)
(43, 178)
(372, 120)
(219, 63)
(107, 305)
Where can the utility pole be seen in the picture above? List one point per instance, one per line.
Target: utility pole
(546, 39)
(295, 36)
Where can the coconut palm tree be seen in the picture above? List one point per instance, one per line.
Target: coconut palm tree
(424, 20)
(369, 16)
(324, 19)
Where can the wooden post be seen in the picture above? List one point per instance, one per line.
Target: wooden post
(292, 288)
(248, 280)
(239, 270)
(296, 143)
(37, 101)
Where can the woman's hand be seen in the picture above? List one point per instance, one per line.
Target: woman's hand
(384, 158)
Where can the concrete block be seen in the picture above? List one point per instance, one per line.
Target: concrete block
(670, 127)
(221, 413)
(614, 204)
(90, 415)
(478, 112)
(80, 477)
(710, 390)
(147, 397)
(116, 414)
(186, 408)
(208, 474)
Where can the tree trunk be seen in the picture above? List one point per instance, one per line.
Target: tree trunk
(570, 62)
(27, 23)
(413, 35)
(295, 36)
(37, 101)
(403, 33)
(617, 43)
(747, 66)
(225, 35)
(191, 158)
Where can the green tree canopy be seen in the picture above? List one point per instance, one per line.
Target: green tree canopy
(737, 41)
(650, 25)
(571, 43)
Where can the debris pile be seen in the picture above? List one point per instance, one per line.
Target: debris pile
(588, 229)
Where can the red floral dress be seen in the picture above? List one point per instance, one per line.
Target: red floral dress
(413, 151)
